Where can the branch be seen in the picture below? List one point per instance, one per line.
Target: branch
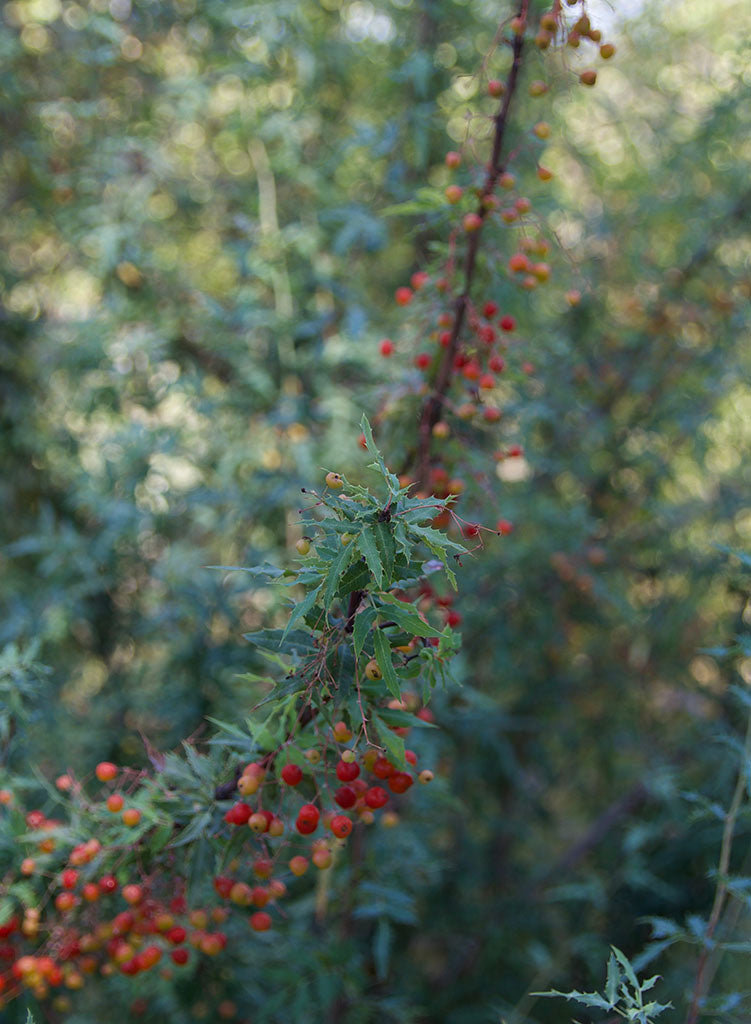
(434, 405)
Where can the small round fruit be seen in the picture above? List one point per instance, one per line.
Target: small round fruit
(453, 159)
(334, 481)
(347, 771)
(400, 782)
(386, 347)
(453, 194)
(307, 819)
(292, 774)
(131, 816)
(341, 826)
(303, 545)
(105, 771)
(425, 776)
(376, 797)
(496, 88)
(373, 671)
(588, 77)
(115, 803)
(298, 865)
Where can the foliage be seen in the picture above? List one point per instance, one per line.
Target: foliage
(196, 270)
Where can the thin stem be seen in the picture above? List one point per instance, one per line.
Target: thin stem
(434, 405)
(721, 892)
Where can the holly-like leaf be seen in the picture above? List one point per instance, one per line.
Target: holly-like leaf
(383, 657)
(404, 615)
(363, 624)
(367, 544)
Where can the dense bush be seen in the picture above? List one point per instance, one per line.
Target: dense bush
(208, 210)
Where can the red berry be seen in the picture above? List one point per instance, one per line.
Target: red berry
(179, 956)
(444, 339)
(515, 451)
(115, 802)
(68, 878)
(489, 310)
(386, 347)
(383, 768)
(422, 361)
(453, 159)
(376, 797)
(471, 222)
(403, 296)
(176, 935)
(132, 894)
(346, 797)
(223, 886)
(507, 323)
(418, 279)
(105, 771)
(496, 88)
(341, 826)
(292, 774)
(347, 772)
(409, 755)
(504, 527)
(260, 921)
(400, 782)
(108, 883)
(497, 364)
(307, 819)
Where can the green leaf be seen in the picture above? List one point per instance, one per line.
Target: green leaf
(383, 657)
(333, 577)
(384, 539)
(367, 544)
(363, 624)
(404, 615)
(382, 948)
(613, 980)
(301, 609)
(628, 970)
(394, 744)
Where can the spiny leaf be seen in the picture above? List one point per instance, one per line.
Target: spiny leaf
(383, 657)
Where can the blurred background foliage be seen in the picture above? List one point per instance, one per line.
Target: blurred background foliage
(195, 270)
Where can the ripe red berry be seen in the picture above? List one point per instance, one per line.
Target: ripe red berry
(489, 310)
(307, 819)
(346, 797)
(400, 782)
(260, 921)
(132, 894)
(68, 878)
(453, 159)
(347, 772)
(386, 347)
(105, 771)
(341, 826)
(418, 279)
(176, 935)
(422, 361)
(115, 803)
(376, 797)
(496, 88)
(383, 768)
(507, 323)
(515, 451)
(223, 886)
(179, 956)
(472, 222)
(444, 339)
(403, 296)
(409, 755)
(504, 527)
(131, 816)
(292, 774)
(108, 883)
(497, 364)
